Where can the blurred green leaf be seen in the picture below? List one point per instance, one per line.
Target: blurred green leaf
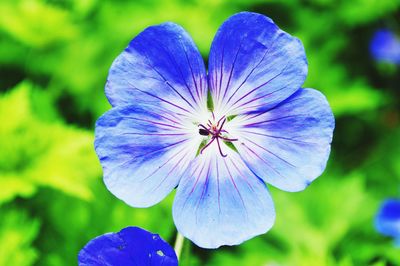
(42, 153)
(363, 11)
(35, 23)
(17, 232)
(357, 98)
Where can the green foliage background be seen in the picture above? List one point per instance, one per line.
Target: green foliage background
(54, 59)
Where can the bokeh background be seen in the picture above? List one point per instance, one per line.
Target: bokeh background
(54, 59)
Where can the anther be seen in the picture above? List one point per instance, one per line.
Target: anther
(204, 132)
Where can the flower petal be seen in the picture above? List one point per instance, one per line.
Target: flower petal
(220, 202)
(142, 151)
(387, 221)
(130, 246)
(385, 46)
(161, 65)
(253, 64)
(289, 145)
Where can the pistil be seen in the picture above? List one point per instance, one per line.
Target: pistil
(216, 134)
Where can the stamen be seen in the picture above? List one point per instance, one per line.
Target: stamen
(220, 120)
(208, 144)
(216, 133)
(223, 122)
(219, 148)
(206, 129)
(228, 139)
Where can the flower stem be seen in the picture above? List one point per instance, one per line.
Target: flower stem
(178, 244)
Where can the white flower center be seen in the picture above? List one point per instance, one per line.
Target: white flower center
(214, 129)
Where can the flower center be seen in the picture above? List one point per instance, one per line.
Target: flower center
(216, 131)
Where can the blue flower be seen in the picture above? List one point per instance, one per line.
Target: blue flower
(130, 246)
(387, 221)
(217, 137)
(385, 47)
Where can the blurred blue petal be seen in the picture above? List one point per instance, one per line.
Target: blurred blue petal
(132, 246)
(162, 65)
(289, 145)
(254, 65)
(219, 201)
(387, 220)
(385, 46)
(142, 152)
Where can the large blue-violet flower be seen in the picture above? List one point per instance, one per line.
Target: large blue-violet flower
(218, 136)
(132, 246)
(385, 46)
(387, 220)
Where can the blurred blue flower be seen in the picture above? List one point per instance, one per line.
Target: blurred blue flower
(217, 137)
(385, 46)
(131, 246)
(387, 221)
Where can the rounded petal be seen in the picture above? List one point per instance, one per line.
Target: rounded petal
(161, 65)
(387, 221)
(131, 246)
(289, 145)
(220, 202)
(142, 151)
(254, 65)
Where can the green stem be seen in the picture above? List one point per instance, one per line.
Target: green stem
(178, 244)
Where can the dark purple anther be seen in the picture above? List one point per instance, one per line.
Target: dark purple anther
(203, 132)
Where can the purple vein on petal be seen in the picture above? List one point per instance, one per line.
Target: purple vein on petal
(154, 122)
(163, 164)
(205, 186)
(259, 157)
(215, 78)
(149, 153)
(279, 137)
(233, 66)
(247, 182)
(260, 97)
(261, 147)
(236, 188)
(166, 81)
(242, 175)
(161, 99)
(221, 69)
(258, 87)
(164, 115)
(191, 71)
(170, 119)
(129, 161)
(169, 173)
(219, 193)
(154, 134)
(195, 184)
(175, 64)
(268, 110)
(275, 119)
(150, 94)
(251, 72)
